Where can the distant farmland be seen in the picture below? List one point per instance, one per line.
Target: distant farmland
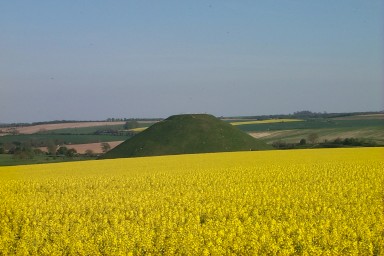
(271, 130)
(49, 127)
(268, 121)
(370, 127)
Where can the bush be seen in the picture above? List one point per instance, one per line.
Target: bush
(38, 151)
(89, 153)
(283, 145)
(303, 142)
(71, 152)
(62, 151)
(313, 137)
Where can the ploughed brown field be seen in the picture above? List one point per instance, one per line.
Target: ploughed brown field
(95, 147)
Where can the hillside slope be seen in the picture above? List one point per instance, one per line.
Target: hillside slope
(187, 134)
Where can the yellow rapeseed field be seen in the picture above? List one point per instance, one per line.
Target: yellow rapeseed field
(298, 202)
(139, 129)
(268, 121)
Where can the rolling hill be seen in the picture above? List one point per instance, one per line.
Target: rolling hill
(187, 134)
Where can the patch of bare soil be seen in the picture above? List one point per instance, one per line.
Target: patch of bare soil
(82, 148)
(258, 135)
(95, 147)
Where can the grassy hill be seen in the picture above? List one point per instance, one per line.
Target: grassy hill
(187, 134)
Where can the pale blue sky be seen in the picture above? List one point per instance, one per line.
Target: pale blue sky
(90, 59)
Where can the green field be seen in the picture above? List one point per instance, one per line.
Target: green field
(90, 130)
(61, 139)
(366, 127)
(9, 160)
(375, 134)
(313, 124)
(326, 129)
(84, 130)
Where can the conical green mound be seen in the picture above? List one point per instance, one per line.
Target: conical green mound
(187, 134)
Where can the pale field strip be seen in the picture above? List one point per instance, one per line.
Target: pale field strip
(324, 134)
(50, 127)
(258, 135)
(269, 121)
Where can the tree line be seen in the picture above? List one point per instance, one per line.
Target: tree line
(312, 142)
(27, 151)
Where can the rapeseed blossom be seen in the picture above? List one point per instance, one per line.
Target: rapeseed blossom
(299, 202)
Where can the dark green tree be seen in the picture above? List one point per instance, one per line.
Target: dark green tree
(71, 152)
(62, 151)
(303, 142)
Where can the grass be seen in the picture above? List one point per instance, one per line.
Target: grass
(9, 160)
(187, 134)
(84, 130)
(294, 136)
(61, 139)
(366, 127)
(369, 127)
(92, 129)
(269, 121)
(314, 124)
(361, 117)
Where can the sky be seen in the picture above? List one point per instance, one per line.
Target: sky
(94, 59)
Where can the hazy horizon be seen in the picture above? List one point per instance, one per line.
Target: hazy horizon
(93, 60)
(122, 118)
